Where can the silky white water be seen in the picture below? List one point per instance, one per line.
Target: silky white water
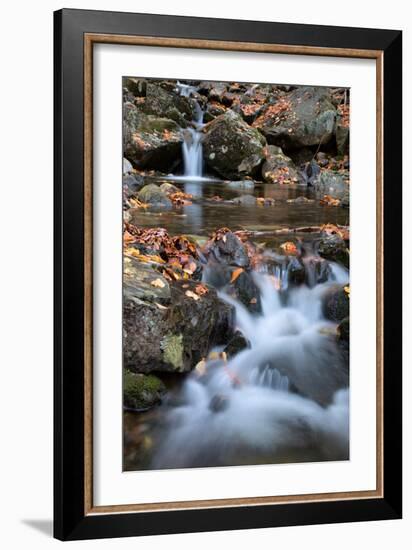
(283, 399)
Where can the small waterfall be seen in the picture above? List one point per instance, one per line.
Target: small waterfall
(285, 395)
(192, 145)
(192, 154)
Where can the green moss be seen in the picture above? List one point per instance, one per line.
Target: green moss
(172, 346)
(141, 391)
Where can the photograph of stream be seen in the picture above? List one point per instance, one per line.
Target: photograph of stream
(235, 273)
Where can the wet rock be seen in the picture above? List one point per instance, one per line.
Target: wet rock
(344, 330)
(307, 119)
(164, 329)
(310, 173)
(278, 168)
(317, 270)
(149, 141)
(236, 344)
(335, 304)
(228, 250)
(246, 291)
(168, 104)
(219, 403)
(132, 183)
(330, 183)
(169, 188)
(245, 200)
(142, 391)
(153, 195)
(296, 271)
(240, 184)
(232, 148)
(333, 248)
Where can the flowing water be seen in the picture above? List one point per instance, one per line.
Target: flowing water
(285, 397)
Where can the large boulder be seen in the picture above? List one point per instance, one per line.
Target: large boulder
(232, 148)
(304, 117)
(168, 104)
(278, 168)
(150, 141)
(165, 328)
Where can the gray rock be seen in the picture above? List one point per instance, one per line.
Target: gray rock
(150, 141)
(232, 148)
(333, 248)
(335, 304)
(168, 104)
(240, 184)
(153, 195)
(308, 121)
(228, 250)
(245, 200)
(330, 183)
(127, 166)
(164, 329)
(278, 168)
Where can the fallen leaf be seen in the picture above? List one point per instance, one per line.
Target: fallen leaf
(289, 247)
(158, 283)
(160, 306)
(191, 294)
(201, 289)
(347, 290)
(235, 274)
(329, 201)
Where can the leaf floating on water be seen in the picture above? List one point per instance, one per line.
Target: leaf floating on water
(158, 283)
(236, 274)
(191, 294)
(160, 306)
(329, 201)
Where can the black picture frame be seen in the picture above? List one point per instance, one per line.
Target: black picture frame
(70, 520)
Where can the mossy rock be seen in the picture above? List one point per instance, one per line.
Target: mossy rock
(142, 391)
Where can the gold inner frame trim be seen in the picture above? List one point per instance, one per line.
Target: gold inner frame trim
(89, 40)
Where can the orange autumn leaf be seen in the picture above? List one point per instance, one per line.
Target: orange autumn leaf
(201, 289)
(289, 248)
(236, 274)
(128, 238)
(329, 201)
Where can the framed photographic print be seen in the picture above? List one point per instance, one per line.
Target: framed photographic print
(227, 274)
